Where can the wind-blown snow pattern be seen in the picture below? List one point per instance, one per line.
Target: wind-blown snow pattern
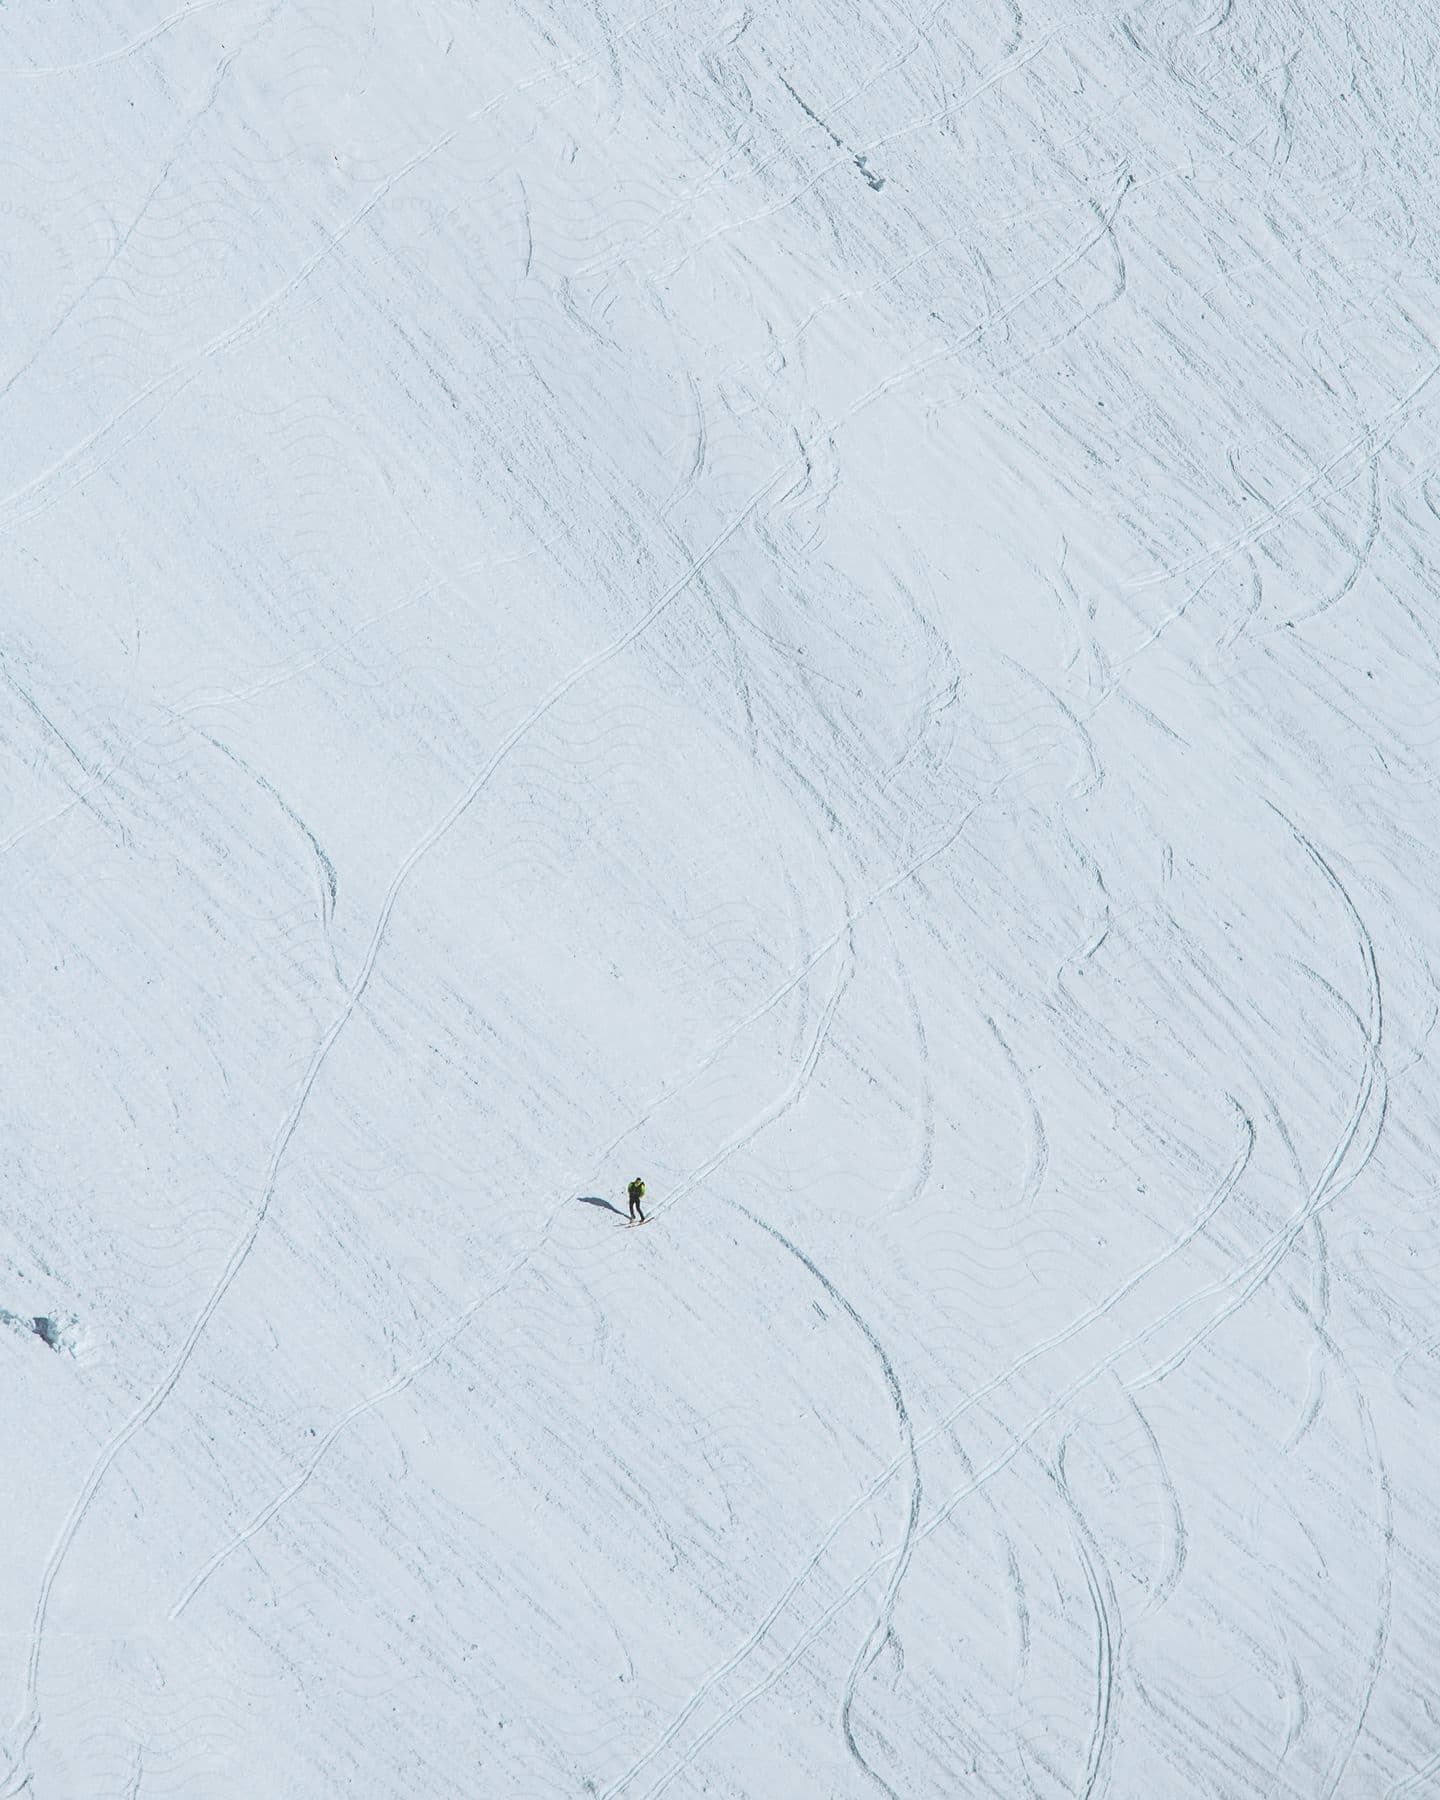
(834, 604)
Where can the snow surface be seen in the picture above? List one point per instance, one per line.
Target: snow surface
(834, 603)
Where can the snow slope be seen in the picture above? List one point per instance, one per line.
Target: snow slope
(834, 603)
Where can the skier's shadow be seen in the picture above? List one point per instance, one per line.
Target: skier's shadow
(595, 1200)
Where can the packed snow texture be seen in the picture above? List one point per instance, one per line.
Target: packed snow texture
(833, 604)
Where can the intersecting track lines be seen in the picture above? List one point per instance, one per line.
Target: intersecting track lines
(1107, 216)
(742, 1138)
(397, 1384)
(879, 1632)
(768, 1620)
(882, 1628)
(28, 1721)
(852, 916)
(784, 1102)
(125, 237)
(454, 1329)
(1416, 1780)
(79, 791)
(188, 370)
(1021, 1439)
(1252, 1275)
(720, 175)
(1369, 442)
(787, 1099)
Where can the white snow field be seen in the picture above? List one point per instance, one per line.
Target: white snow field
(835, 603)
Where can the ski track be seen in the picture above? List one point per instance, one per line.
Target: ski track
(1375, 1659)
(1253, 1274)
(1367, 443)
(739, 1141)
(329, 881)
(1169, 1578)
(1107, 1635)
(880, 1630)
(1414, 1782)
(876, 1487)
(28, 1721)
(996, 908)
(791, 1093)
(1328, 1186)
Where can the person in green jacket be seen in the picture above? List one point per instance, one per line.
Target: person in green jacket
(637, 1190)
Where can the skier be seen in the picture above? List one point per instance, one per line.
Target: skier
(637, 1190)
